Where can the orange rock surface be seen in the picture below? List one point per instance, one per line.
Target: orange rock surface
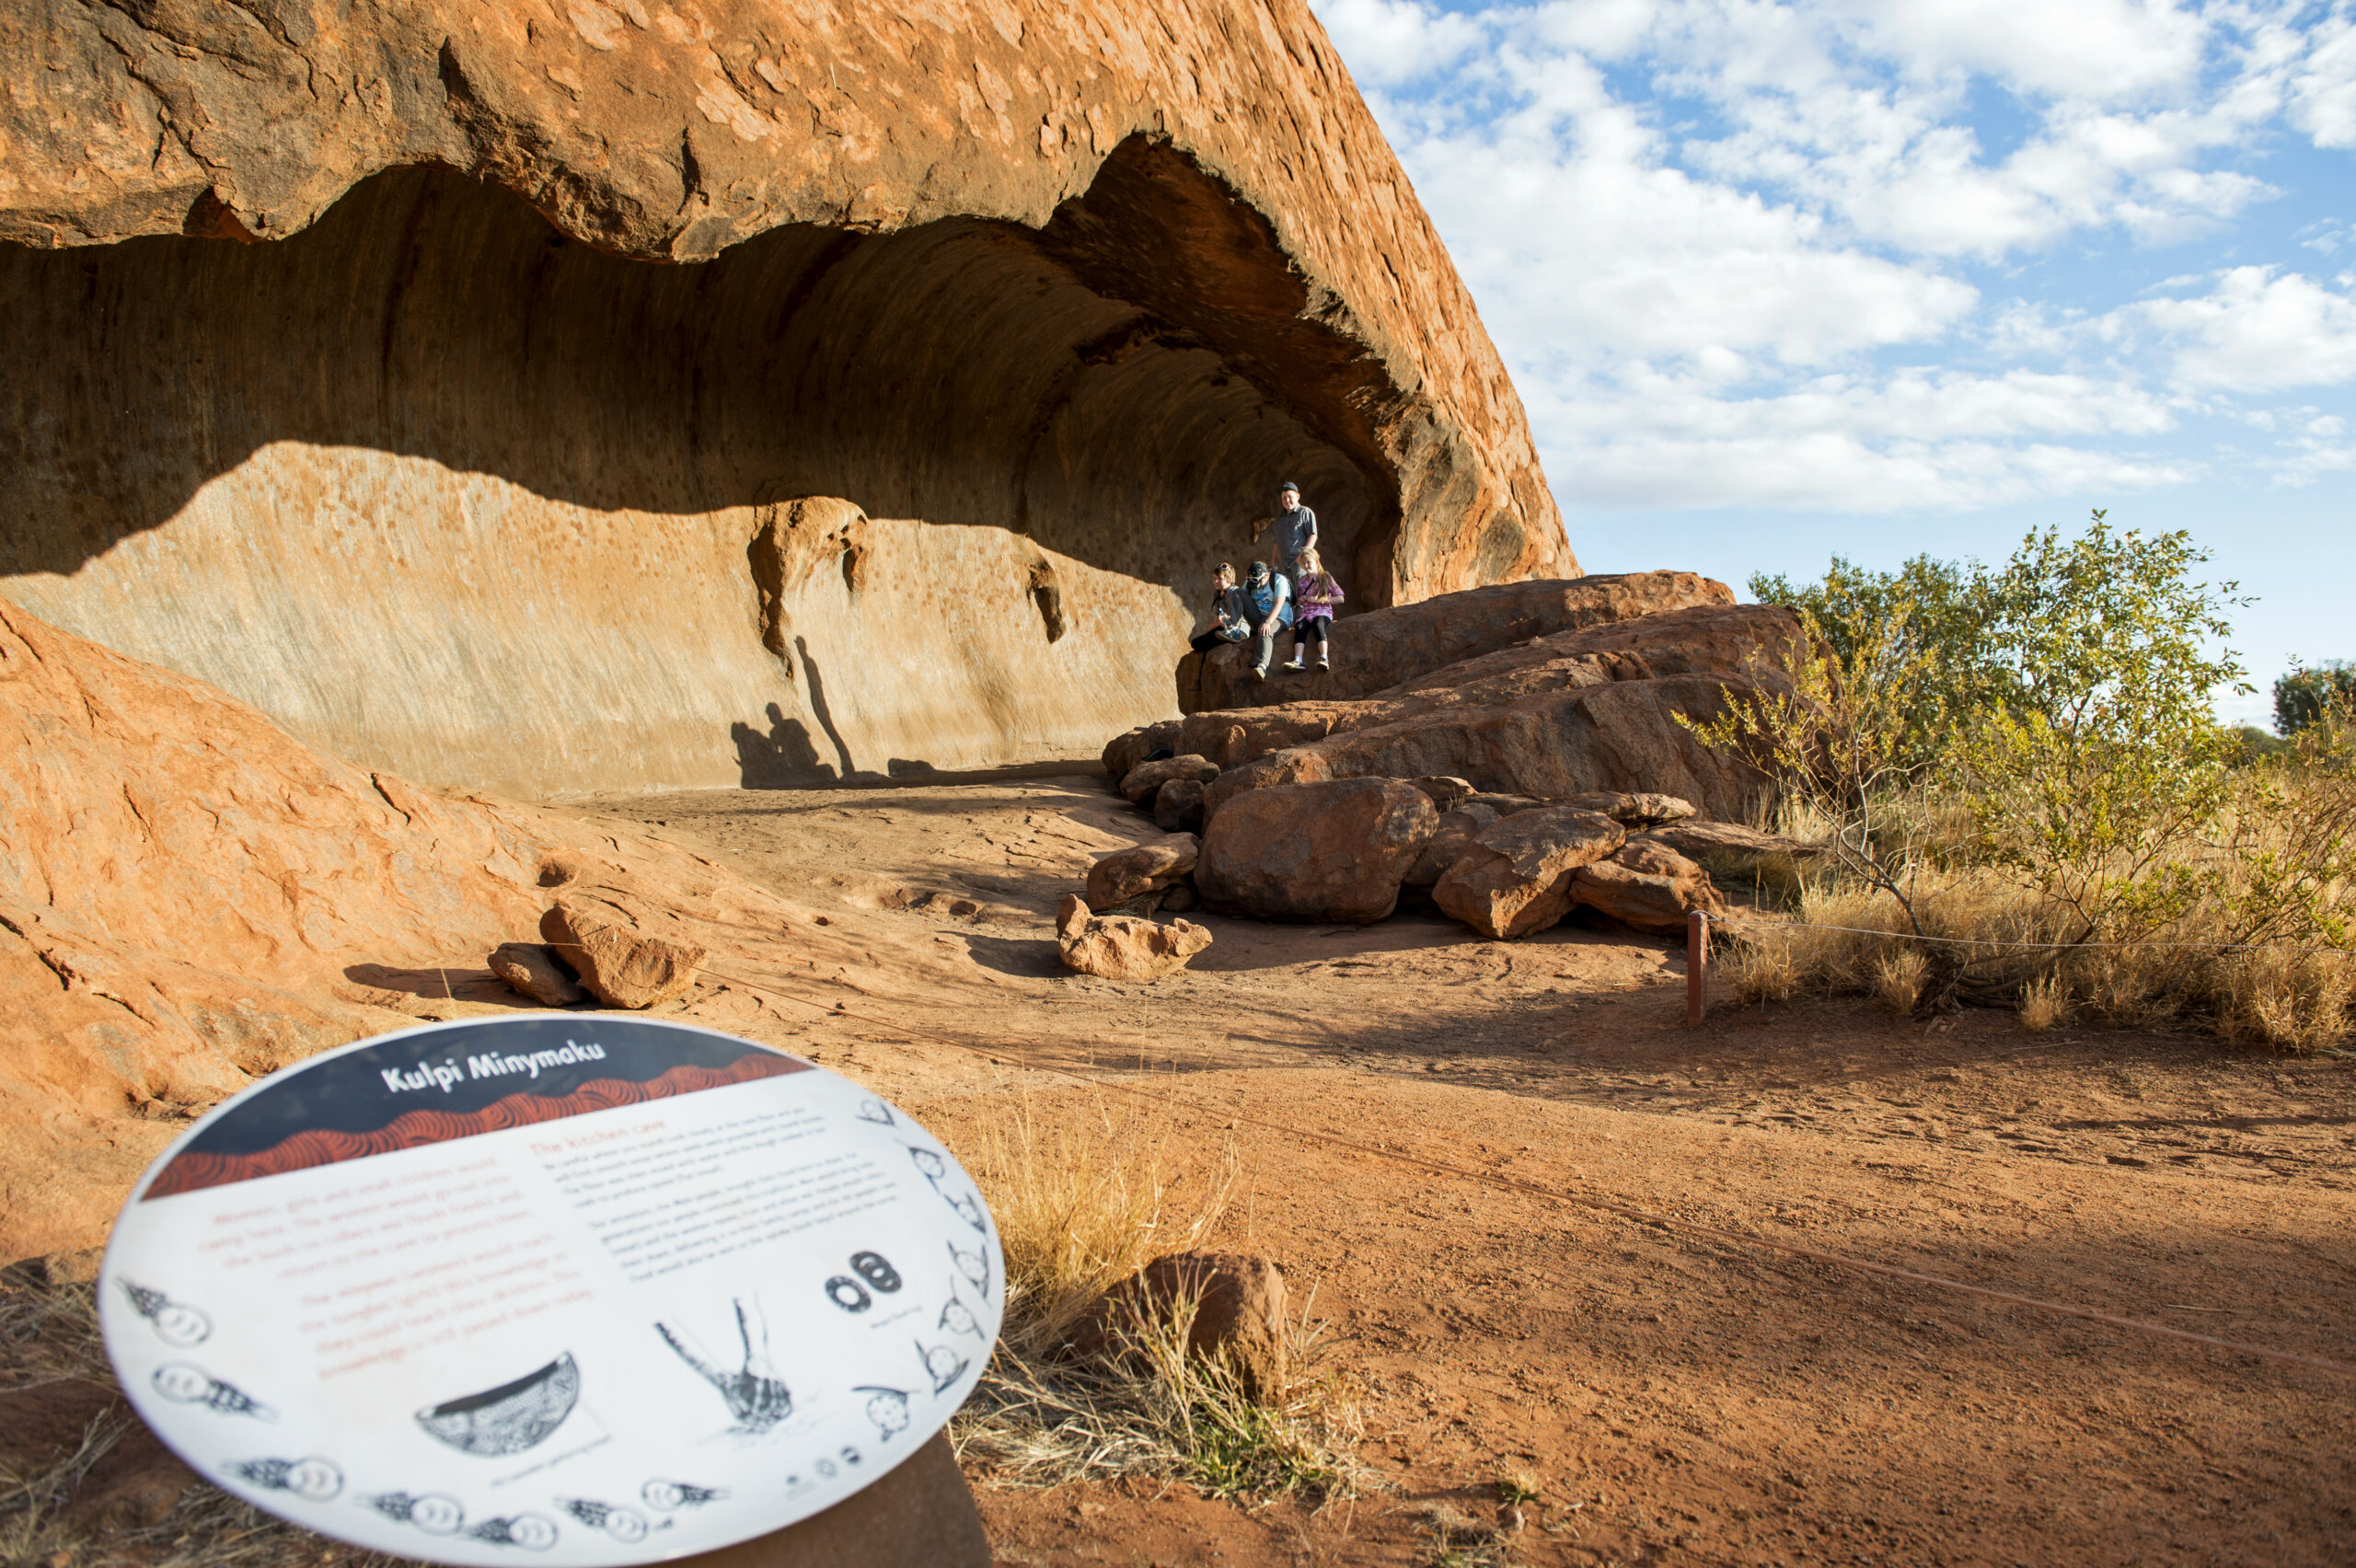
(191, 898)
(624, 394)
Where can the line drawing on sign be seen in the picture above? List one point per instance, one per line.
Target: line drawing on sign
(184, 1383)
(529, 1532)
(975, 1265)
(313, 1479)
(887, 1407)
(875, 1111)
(176, 1323)
(967, 1205)
(433, 1512)
(625, 1524)
(956, 1317)
(876, 1269)
(510, 1417)
(666, 1495)
(755, 1395)
(941, 1364)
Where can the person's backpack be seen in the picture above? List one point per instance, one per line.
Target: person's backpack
(1261, 599)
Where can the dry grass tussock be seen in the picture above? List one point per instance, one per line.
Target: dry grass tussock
(2005, 943)
(50, 1333)
(1085, 1196)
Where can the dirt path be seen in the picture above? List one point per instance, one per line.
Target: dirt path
(1682, 1400)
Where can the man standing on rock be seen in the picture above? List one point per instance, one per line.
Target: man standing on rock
(1295, 530)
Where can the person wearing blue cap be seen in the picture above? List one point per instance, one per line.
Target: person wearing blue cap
(1295, 530)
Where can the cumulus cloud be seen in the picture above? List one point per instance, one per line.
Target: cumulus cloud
(1771, 252)
(2260, 330)
(2323, 90)
(1386, 42)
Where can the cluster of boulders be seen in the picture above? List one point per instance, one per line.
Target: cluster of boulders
(592, 944)
(1353, 849)
(1356, 794)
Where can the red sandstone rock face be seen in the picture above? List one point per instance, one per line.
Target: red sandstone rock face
(189, 898)
(1559, 715)
(1329, 852)
(1005, 321)
(1393, 647)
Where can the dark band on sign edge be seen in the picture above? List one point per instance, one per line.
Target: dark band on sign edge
(193, 1171)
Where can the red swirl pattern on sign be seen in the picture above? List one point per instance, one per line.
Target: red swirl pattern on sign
(190, 1170)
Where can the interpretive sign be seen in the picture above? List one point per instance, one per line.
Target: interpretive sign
(565, 1288)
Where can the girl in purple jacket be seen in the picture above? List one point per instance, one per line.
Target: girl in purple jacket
(1315, 594)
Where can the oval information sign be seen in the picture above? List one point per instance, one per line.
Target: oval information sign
(564, 1288)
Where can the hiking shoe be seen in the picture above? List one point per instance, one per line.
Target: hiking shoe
(1259, 671)
(1295, 665)
(1324, 664)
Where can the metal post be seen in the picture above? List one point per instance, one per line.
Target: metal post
(1697, 966)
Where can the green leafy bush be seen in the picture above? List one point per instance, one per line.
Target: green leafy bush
(2311, 692)
(2023, 762)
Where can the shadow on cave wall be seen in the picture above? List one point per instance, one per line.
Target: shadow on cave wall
(1124, 385)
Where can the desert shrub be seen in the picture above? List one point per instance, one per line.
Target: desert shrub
(2310, 693)
(1084, 1196)
(2249, 745)
(2019, 769)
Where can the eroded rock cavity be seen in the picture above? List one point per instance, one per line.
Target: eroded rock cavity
(445, 490)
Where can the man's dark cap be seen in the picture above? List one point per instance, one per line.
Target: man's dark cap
(1289, 485)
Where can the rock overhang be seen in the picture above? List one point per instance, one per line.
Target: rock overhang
(570, 320)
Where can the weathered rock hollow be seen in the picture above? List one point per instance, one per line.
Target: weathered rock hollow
(696, 421)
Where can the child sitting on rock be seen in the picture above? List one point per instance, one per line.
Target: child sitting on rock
(1229, 612)
(1267, 598)
(1316, 596)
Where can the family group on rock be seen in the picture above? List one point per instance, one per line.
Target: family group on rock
(1294, 591)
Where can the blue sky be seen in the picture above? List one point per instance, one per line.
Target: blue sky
(1778, 280)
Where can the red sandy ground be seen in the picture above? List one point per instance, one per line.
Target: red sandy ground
(1681, 1398)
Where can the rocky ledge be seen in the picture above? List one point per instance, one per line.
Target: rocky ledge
(1508, 755)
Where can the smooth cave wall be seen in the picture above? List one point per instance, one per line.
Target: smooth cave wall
(451, 494)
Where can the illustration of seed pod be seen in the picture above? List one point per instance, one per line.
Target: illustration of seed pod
(665, 1496)
(185, 1384)
(176, 1323)
(529, 1532)
(433, 1512)
(313, 1479)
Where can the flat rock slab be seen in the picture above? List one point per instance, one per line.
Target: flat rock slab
(1119, 947)
(1694, 839)
(1324, 851)
(628, 955)
(1131, 874)
(1514, 876)
(1641, 809)
(1458, 826)
(1647, 885)
(531, 970)
(1143, 782)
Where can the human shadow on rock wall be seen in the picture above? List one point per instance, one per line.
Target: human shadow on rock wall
(438, 317)
(779, 759)
(785, 759)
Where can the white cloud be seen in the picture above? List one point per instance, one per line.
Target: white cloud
(1772, 252)
(2088, 49)
(1591, 246)
(1912, 440)
(1388, 41)
(2323, 91)
(2260, 330)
